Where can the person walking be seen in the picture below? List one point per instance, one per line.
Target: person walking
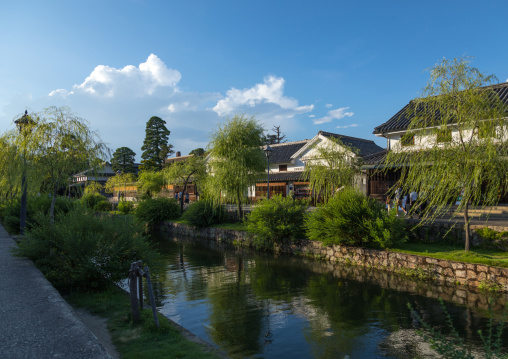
(398, 200)
(413, 196)
(388, 203)
(187, 197)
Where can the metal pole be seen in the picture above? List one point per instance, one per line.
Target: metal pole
(22, 215)
(268, 178)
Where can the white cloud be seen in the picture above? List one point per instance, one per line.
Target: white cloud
(271, 91)
(348, 126)
(118, 102)
(143, 80)
(333, 115)
(328, 105)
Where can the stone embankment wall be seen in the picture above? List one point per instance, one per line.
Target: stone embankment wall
(419, 266)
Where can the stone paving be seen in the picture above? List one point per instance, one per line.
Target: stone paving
(36, 321)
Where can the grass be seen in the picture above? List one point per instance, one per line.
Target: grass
(142, 340)
(489, 257)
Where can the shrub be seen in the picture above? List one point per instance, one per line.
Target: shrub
(205, 213)
(125, 207)
(273, 220)
(351, 218)
(157, 210)
(35, 205)
(90, 200)
(102, 206)
(82, 250)
(492, 238)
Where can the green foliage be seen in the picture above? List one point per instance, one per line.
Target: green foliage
(35, 205)
(123, 160)
(197, 152)
(204, 213)
(472, 164)
(102, 206)
(150, 183)
(155, 146)
(182, 173)
(119, 182)
(236, 160)
(60, 144)
(453, 346)
(333, 165)
(351, 218)
(93, 187)
(90, 200)
(125, 207)
(493, 238)
(157, 210)
(82, 250)
(273, 220)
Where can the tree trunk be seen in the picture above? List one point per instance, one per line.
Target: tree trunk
(239, 198)
(466, 225)
(52, 207)
(183, 195)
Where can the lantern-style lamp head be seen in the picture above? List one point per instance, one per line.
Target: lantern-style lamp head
(23, 121)
(268, 151)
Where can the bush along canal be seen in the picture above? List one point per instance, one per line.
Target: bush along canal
(260, 305)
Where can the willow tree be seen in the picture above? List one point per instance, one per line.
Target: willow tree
(10, 170)
(454, 152)
(150, 183)
(61, 144)
(332, 165)
(120, 180)
(183, 172)
(236, 160)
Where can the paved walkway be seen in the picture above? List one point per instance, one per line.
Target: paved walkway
(35, 321)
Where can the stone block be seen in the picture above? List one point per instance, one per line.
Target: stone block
(457, 265)
(460, 274)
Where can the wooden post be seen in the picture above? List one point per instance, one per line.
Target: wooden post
(140, 288)
(150, 294)
(133, 274)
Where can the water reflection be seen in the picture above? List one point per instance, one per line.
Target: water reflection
(257, 305)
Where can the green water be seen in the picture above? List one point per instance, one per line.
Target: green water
(261, 306)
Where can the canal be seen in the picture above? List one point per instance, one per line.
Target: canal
(257, 305)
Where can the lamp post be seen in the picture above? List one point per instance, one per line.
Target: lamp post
(21, 123)
(268, 152)
(118, 173)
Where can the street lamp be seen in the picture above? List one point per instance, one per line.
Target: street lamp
(118, 173)
(268, 151)
(21, 123)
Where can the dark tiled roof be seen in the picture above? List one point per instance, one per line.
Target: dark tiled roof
(284, 176)
(401, 120)
(282, 152)
(364, 147)
(375, 158)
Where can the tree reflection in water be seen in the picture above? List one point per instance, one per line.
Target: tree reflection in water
(257, 305)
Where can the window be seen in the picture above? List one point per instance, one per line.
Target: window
(283, 168)
(408, 139)
(444, 135)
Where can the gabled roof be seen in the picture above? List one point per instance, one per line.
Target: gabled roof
(282, 152)
(402, 119)
(364, 147)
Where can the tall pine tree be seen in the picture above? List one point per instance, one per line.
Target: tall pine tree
(123, 160)
(155, 146)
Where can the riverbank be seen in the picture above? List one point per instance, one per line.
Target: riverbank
(143, 340)
(441, 270)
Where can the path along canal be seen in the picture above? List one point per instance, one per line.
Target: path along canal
(258, 305)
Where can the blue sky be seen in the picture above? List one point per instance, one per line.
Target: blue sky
(338, 66)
